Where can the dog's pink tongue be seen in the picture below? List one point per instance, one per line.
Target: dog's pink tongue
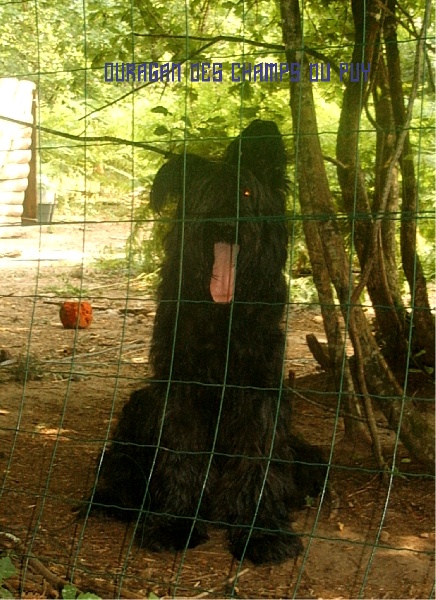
(222, 282)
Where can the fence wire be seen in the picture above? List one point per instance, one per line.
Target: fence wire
(95, 99)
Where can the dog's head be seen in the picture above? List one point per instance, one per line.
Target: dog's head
(230, 229)
(261, 150)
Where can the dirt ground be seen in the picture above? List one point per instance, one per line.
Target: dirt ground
(369, 540)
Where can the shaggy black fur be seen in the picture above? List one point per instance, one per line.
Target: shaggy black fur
(209, 438)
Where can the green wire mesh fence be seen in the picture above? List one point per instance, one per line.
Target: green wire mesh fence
(94, 99)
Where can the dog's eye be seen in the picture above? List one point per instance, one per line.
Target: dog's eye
(246, 193)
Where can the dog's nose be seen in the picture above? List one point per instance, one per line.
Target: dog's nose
(222, 229)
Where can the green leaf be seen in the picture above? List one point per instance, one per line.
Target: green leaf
(186, 120)
(160, 110)
(7, 568)
(4, 593)
(249, 112)
(161, 130)
(216, 120)
(69, 592)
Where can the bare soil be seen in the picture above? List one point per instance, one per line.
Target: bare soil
(59, 393)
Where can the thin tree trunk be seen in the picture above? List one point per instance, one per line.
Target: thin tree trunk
(389, 314)
(422, 318)
(334, 331)
(392, 328)
(374, 375)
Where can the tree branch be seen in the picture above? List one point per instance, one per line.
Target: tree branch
(87, 139)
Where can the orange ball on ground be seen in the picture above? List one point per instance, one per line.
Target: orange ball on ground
(76, 314)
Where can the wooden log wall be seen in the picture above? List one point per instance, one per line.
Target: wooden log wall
(16, 102)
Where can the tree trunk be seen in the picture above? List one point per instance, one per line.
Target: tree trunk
(391, 326)
(334, 331)
(370, 238)
(374, 375)
(422, 318)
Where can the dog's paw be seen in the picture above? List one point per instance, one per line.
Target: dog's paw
(172, 536)
(310, 471)
(265, 548)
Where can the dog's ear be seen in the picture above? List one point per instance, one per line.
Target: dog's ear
(175, 178)
(261, 150)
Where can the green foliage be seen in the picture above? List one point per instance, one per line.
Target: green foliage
(68, 290)
(7, 569)
(303, 291)
(69, 592)
(112, 266)
(63, 47)
(146, 240)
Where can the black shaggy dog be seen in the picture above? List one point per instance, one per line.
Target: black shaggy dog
(208, 439)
